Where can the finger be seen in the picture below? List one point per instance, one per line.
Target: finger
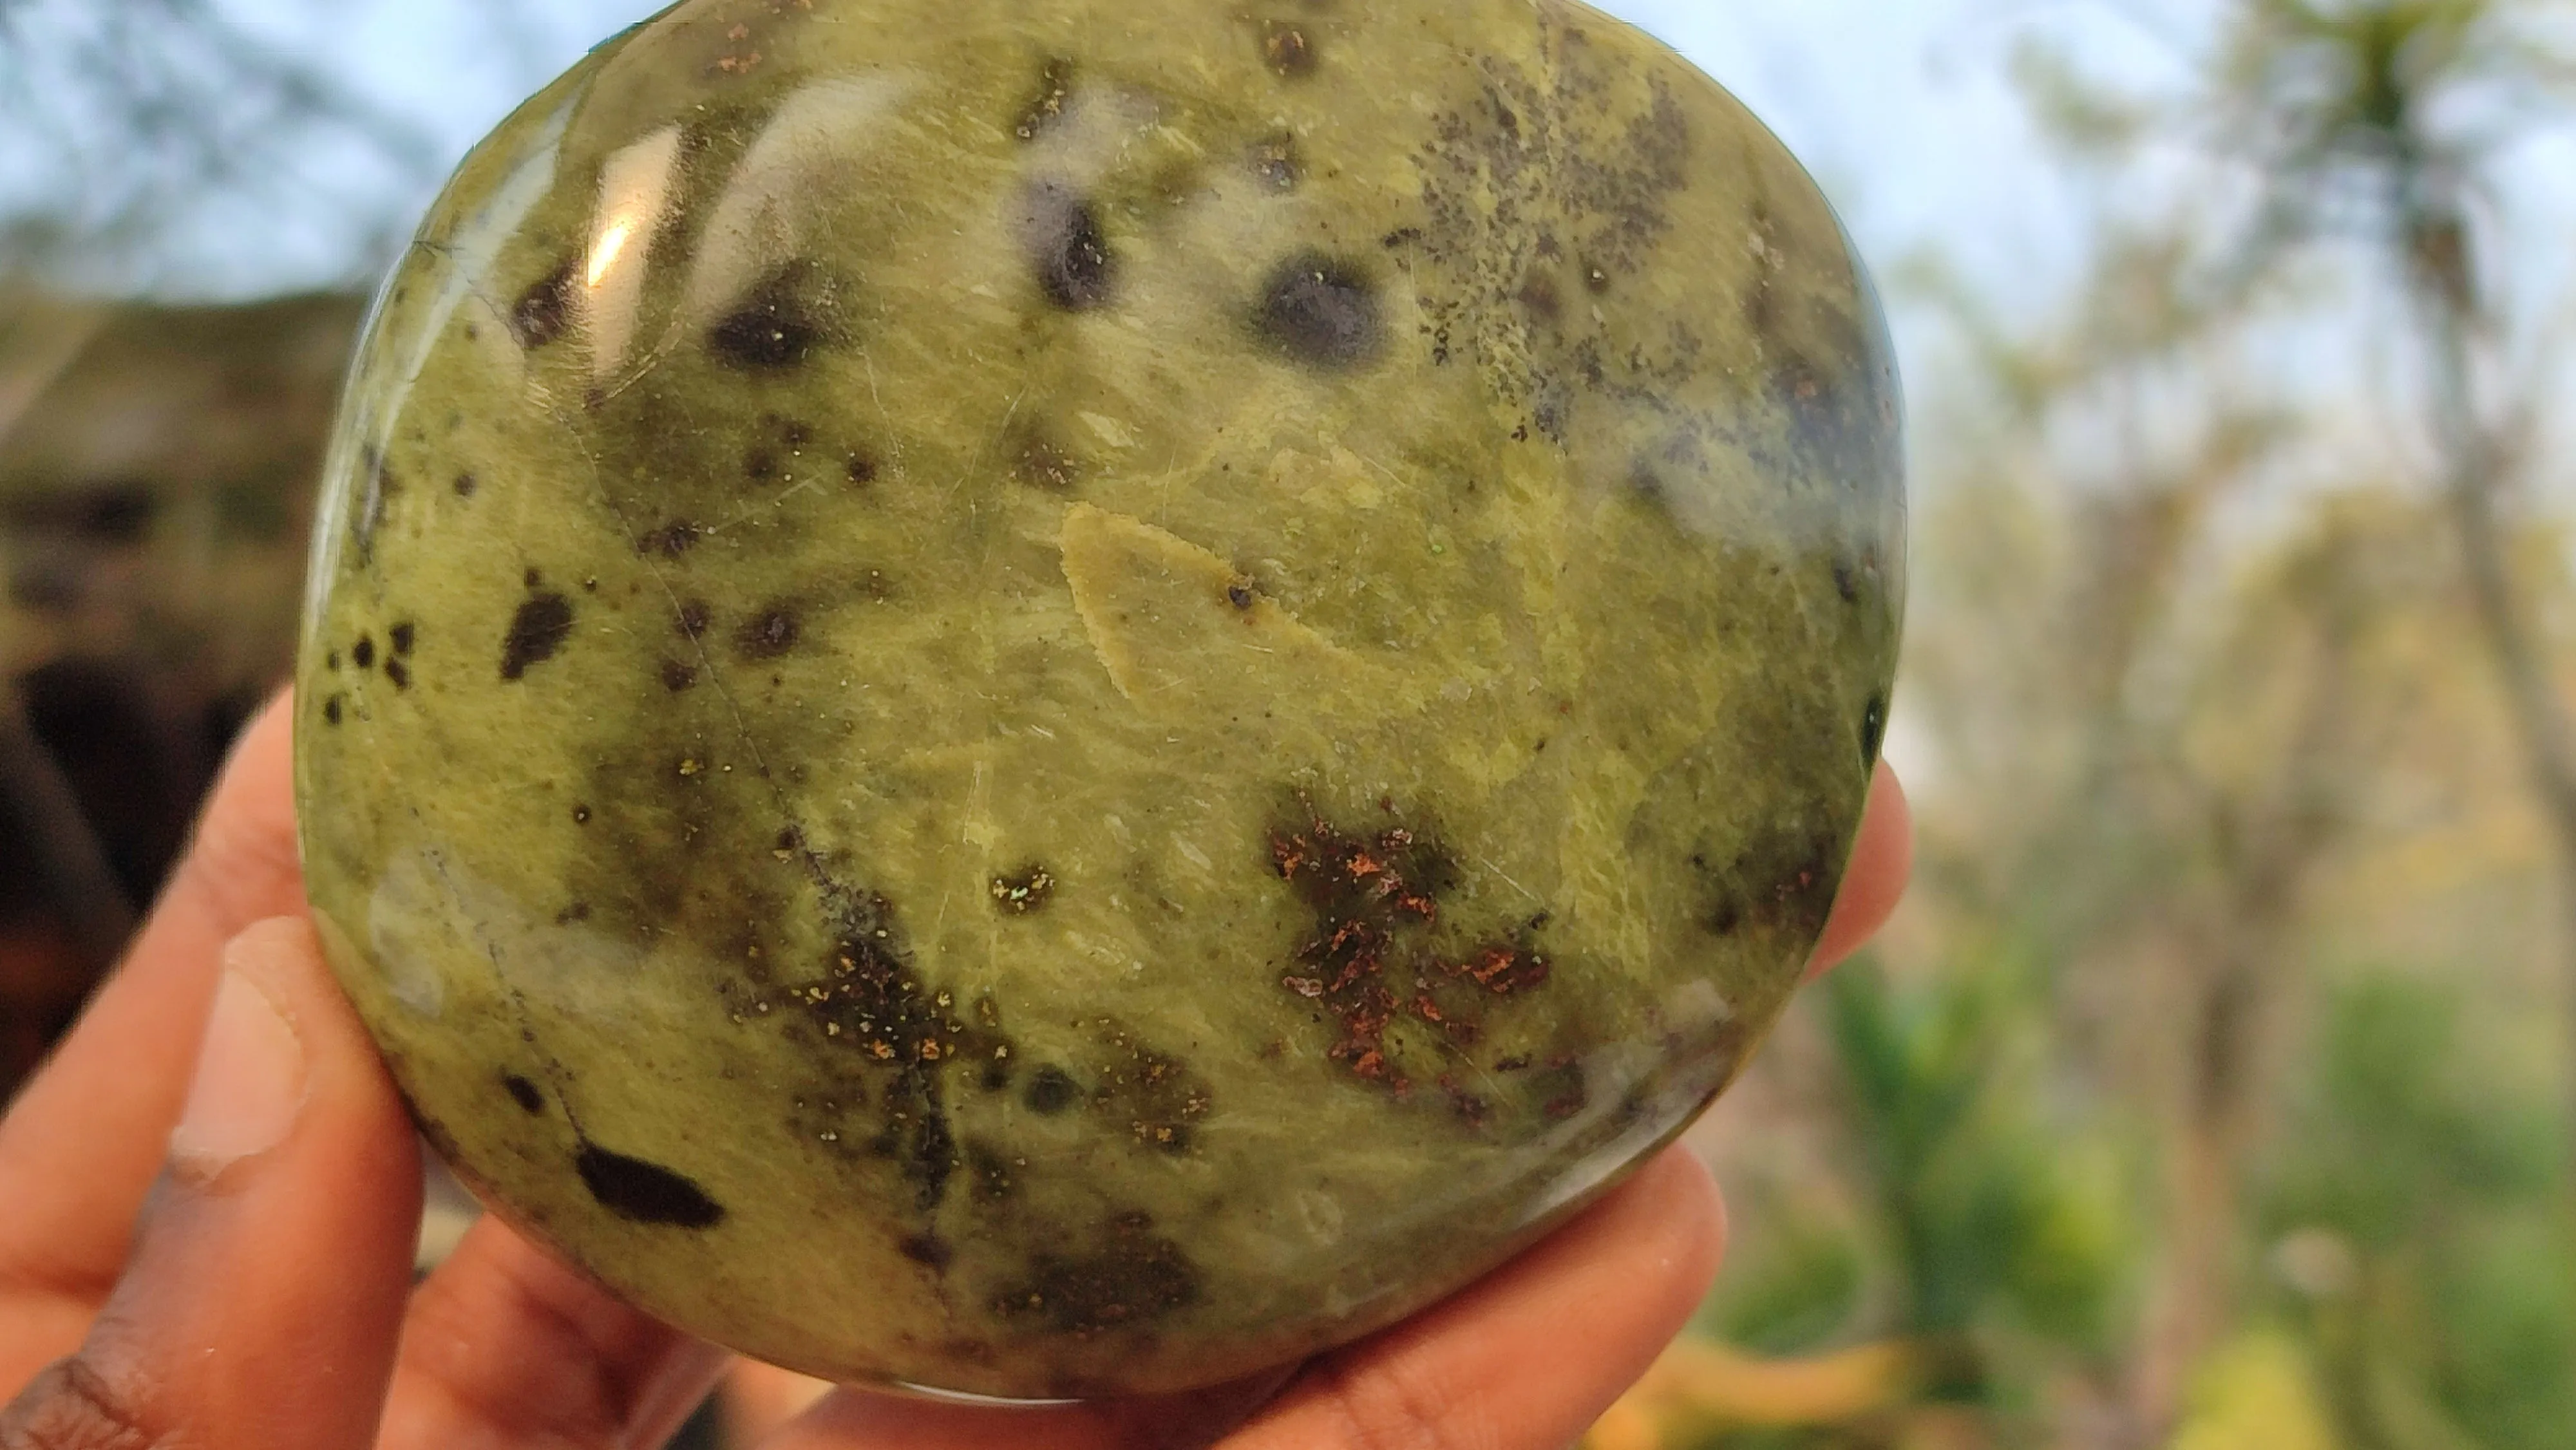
(507, 1348)
(1525, 1358)
(1528, 1358)
(85, 1139)
(1882, 860)
(269, 1274)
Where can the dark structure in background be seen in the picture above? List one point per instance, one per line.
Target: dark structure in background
(156, 470)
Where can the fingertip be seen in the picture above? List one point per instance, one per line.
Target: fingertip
(1882, 861)
(265, 1293)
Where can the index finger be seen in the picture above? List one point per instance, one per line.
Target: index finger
(86, 1138)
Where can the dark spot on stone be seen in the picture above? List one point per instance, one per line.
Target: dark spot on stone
(1539, 296)
(928, 1250)
(402, 637)
(1067, 251)
(399, 673)
(524, 1093)
(1595, 280)
(1051, 1090)
(331, 661)
(1846, 581)
(692, 619)
(331, 710)
(670, 541)
(645, 1192)
(464, 485)
(1046, 108)
(581, 815)
(532, 578)
(1130, 1278)
(759, 465)
(541, 626)
(992, 1174)
(1274, 160)
(861, 469)
(779, 323)
(795, 433)
(1873, 729)
(542, 312)
(1286, 49)
(1042, 463)
(364, 652)
(1373, 897)
(768, 634)
(1781, 880)
(1023, 891)
(1240, 595)
(1153, 1093)
(1321, 311)
(1401, 237)
(577, 911)
(677, 676)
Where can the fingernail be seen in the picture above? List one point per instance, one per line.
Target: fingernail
(250, 1076)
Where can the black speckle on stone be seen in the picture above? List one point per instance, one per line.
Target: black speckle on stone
(1023, 891)
(1067, 251)
(403, 637)
(670, 541)
(861, 469)
(543, 311)
(581, 815)
(541, 626)
(364, 652)
(332, 710)
(399, 673)
(1846, 581)
(1595, 280)
(992, 1174)
(577, 911)
(1240, 594)
(1321, 311)
(1131, 1279)
(692, 619)
(928, 1250)
(1873, 729)
(759, 465)
(1539, 296)
(524, 1093)
(645, 1192)
(1041, 462)
(331, 661)
(677, 676)
(1046, 108)
(1274, 160)
(533, 578)
(464, 485)
(1287, 49)
(778, 324)
(770, 633)
(1051, 1090)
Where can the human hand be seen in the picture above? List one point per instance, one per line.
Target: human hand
(213, 1248)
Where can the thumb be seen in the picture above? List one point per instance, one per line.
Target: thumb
(265, 1293)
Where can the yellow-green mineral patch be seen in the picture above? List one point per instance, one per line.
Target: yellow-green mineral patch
(1057, 697)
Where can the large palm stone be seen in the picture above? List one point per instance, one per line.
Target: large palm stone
(1060, 697)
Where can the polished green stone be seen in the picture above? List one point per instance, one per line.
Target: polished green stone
(1059, 697)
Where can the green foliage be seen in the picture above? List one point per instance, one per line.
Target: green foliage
(1990, 1221)
(2435, 1174)
(1796, 1293)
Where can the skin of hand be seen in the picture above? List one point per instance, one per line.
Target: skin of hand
(212, 1192)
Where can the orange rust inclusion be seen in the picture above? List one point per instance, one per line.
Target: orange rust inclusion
(1364, 892)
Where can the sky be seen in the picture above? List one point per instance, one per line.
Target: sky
(1898, 106)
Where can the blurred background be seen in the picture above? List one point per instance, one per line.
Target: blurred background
(2216, 1088)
